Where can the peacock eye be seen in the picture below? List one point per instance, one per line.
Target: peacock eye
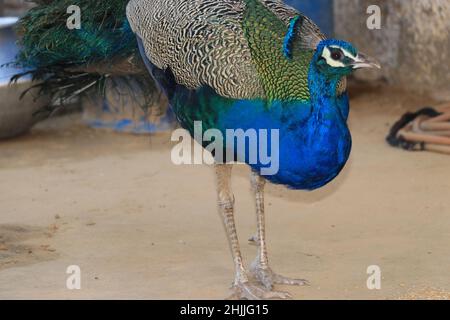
(336, 55)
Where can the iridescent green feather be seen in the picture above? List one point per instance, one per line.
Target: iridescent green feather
(104, 33)
(282, 78)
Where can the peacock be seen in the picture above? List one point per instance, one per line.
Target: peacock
(230, 65)
(253, 65)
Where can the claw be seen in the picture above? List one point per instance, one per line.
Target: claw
(278, 279)
(268, 278)
(248, 291)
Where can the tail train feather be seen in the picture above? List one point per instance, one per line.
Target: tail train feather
(68, 63)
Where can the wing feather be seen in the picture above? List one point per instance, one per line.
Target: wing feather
(203, 41)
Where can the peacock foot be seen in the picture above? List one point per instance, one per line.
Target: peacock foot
(268, 278)
(247, 291)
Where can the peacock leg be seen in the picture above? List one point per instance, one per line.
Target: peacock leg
(242, 288)
(260, 267)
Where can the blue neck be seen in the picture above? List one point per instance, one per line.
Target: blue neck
(321, 86)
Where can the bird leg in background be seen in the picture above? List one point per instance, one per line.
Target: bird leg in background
(242, 288)
(260, 267)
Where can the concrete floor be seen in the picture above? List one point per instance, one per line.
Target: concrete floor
(140, 227)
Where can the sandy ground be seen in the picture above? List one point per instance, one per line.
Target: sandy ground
(140, 227)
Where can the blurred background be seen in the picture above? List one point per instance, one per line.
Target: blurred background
(95, 186)
(14, 7)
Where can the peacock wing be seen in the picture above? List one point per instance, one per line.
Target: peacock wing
(308, 34)
(223, 44)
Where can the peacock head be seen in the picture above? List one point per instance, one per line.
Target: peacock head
(337, 58)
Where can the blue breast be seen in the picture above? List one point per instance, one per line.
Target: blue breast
(314, 143)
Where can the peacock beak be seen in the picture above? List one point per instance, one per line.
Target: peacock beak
(364, 61)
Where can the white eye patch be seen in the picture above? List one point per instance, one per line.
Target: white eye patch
(326, 54)
(334, 63)
(346, 52)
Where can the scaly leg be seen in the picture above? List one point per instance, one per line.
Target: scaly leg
(242, 288)
(260, 267)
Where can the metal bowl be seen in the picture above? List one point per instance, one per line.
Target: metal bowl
(16, 115)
